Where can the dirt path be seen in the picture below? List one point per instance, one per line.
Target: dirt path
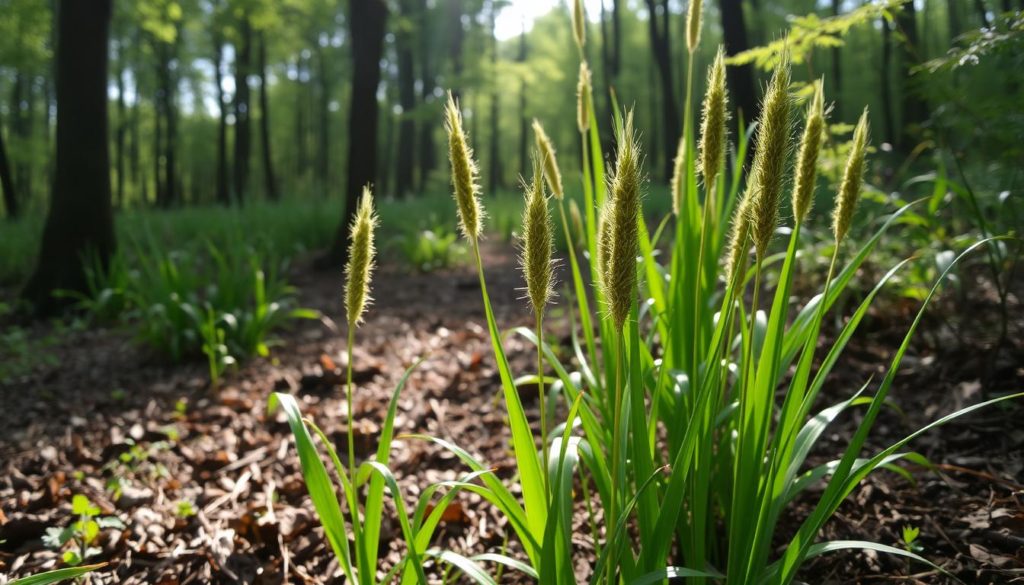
(210, 485)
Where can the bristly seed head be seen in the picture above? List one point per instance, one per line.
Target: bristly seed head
(537, 242)
(716, 114)
(579, 24)
(693, 22)
(853, 175)
(464, 173)
(807, 157)
(678, 184)
(360, 259)
(547, 154)
(625, 185)
(769, 168)
(583, 98)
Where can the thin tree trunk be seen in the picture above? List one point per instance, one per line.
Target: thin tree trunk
(979, 7)
(661, 47)
(172, 190)
(405, 163)
(887, 113)
(739, 78)
(7, 183)
(223, 190)
(496, 166)
(270, 184)
(80, 219)
(427, 159)
(242, 111)
(122, 125)
(367, 20)
(915, 108)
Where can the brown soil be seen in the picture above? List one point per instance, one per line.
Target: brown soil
(62, 426)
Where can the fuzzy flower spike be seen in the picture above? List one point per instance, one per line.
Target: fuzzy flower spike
(360, 260)
(464, 173)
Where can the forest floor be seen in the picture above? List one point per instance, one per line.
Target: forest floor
(210, 486)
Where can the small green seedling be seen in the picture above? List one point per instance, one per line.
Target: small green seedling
(82, 533)
(185, 509)
(910, 534)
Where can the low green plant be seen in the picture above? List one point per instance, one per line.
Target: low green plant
(77, 539)
(431, 249)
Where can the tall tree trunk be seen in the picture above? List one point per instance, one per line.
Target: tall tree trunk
(7, 183)
(80, 218)
(223, 190)
(887, 113)
(496, 167)
(270, 184)
(426, 158)
(915, 108)
(122, 125)
(171, 188)
(658, 24)
(243, 54)
(953, 17)
(367, 20)
(405, 163)
(20, 131)
(740, 78)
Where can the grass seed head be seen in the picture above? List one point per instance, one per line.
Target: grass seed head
(807, 157)
(583, 98)
(693, 22)
(537, 241)
(547, 153)
(624, 215)
(679, 177)
(579, 24)
(853, 175)
(769, 168)
(464, 172)
(360, 259)
(577, 220)
(712, 131)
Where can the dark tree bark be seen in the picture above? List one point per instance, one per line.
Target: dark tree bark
(740, 79)
(243, 144)
(7, 183)
(887, 114)
(270, 183)
(953, 17)
(80, 219)
(223, 190)
(367, 19)
(168, 192)
(659, 27)
(405, 163)
(496, 167)
(426, 158)
(122, 125)
(915, 108)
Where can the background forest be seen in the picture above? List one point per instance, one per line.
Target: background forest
(184, 181)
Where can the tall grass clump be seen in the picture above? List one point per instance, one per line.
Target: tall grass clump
(689, 403)
(685, 439)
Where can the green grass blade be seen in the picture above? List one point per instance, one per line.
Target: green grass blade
(58, 575)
